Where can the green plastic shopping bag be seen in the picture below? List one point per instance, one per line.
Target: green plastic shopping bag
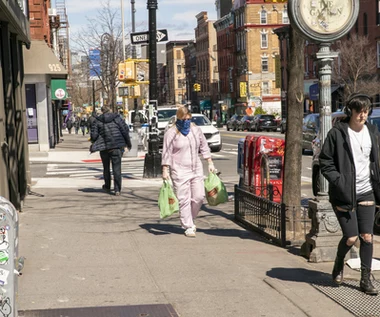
(215, 190)
(167, 201)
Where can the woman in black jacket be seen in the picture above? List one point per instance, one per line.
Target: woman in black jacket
(349, 160)
(110, 135)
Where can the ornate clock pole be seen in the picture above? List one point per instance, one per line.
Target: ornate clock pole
(323, 22)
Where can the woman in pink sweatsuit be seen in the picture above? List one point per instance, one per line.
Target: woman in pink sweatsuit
(182, 144)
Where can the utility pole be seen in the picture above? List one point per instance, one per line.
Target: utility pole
(134, 56)
(123, 41)
(93, 98)
(152, 164)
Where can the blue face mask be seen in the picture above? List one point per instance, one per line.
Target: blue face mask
(183, 126)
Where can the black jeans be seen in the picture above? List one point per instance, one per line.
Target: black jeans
(354, 223)
(113, 156)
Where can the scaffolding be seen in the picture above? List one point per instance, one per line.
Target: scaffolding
(63, 35)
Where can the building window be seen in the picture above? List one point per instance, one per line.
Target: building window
(365, 24)
(179, 69)
(285, 17)
(263, 16)
(265, 88)
(264, 40)
(264, 64)
(178, 54)
(378, 54)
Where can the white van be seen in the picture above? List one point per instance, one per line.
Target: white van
(131, 116)
(164, 113)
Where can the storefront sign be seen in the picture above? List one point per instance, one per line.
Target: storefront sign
(58, 89)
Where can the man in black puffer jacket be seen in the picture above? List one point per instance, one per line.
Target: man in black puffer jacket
(110, 135)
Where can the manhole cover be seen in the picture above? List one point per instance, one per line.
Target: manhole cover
(162, 310)
(351, 297)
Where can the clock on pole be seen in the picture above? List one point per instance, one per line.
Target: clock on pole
(323, 21)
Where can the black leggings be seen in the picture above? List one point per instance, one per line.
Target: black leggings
(354, 223)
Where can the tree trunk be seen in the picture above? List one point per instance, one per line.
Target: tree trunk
(293, 149)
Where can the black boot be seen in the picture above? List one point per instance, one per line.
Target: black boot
(337, 273)
(365, 282)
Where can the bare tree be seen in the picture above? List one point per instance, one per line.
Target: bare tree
(293, 148)
(104, 33)
(356, 67)
(80, 85)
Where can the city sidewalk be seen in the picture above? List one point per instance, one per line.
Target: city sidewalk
(85, 248)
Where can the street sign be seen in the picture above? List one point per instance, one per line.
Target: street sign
(143, 37)
(60, 93)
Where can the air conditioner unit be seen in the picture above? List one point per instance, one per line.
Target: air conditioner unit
(52, 12)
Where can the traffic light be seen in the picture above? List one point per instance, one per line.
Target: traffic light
(197, 87)
(130, 71)
(127, 71)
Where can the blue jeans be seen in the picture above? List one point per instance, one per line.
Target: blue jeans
(113, 156)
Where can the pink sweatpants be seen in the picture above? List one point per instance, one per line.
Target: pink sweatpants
(190, 192)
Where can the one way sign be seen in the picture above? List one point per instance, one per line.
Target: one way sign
(143, 37)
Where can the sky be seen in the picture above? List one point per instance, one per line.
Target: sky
(177, 16)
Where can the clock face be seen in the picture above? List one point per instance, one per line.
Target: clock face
(326, 16)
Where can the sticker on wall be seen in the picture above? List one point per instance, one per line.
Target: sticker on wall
(5, 308)
(4, 257)
(4, 276)
(4, 241)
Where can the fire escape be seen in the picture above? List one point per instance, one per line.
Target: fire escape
(63, 35)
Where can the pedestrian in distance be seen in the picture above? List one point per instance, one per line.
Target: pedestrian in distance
(349, 160)
(69, 125)
(180, 161)
(83, 123)
(76, 124)
(110, 135)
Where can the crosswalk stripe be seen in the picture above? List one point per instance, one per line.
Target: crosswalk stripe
(229, 152)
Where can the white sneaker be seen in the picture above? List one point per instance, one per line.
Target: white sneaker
(190, 232)
(194, 227)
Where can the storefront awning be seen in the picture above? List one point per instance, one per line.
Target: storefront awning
(314, 91)
(40, 60)
(306, 86)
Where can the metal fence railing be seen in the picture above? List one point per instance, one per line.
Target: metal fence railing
(261, 215)
(282, 224)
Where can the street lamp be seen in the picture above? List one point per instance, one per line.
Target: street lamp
(152, 163)
(104, 53)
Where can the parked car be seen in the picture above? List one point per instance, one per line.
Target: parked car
(211, 133)
(244, 123)
(232, 122)
(310, 128)
(283, 125)
(264, 122)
